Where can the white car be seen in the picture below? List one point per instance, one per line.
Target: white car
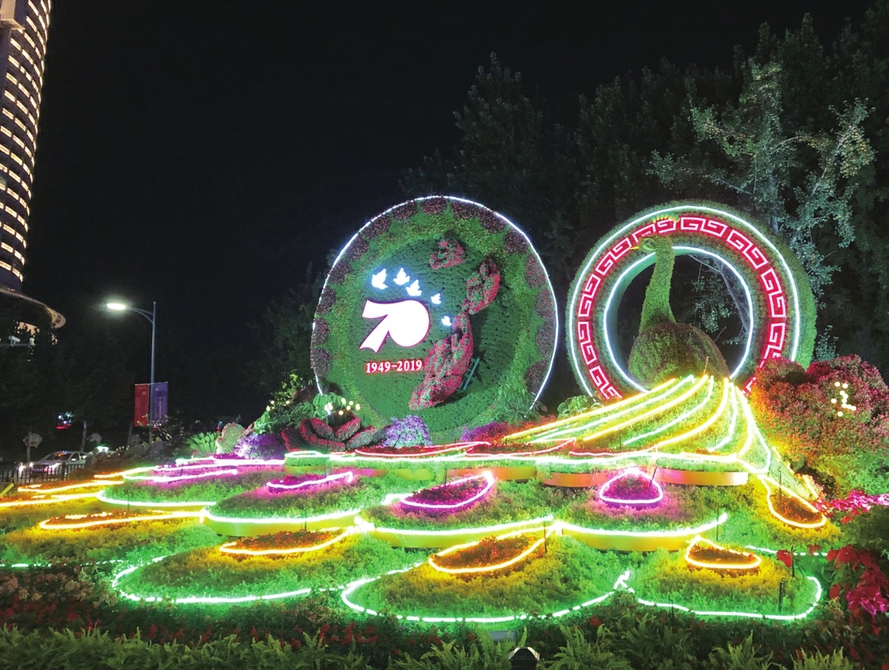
(58, 461)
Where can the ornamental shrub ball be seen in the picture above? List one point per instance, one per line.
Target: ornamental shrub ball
(836, 408)
(228, 437)
(411, 431)
(259, 445)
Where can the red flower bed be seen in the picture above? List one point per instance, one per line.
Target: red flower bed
(455, 496)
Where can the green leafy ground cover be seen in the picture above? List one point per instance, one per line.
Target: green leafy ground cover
(509, 501)
(564, 574)
(364, 492)
(199, 490)
(207, 572)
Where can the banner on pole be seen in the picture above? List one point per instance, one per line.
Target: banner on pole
(140, 410)
(159, 403)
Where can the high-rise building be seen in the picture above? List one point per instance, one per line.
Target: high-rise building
(24, 27)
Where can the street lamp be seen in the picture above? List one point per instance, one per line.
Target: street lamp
(152, 318)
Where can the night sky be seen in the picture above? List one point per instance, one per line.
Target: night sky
(201, 154)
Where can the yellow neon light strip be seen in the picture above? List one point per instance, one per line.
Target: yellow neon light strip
(660, 408)
(60, 523)
(701, 427)
(766, 480)
(49, 501)
(122, 473)
(38, 488)
(489, 568)
(757, 560)
(623, 412)
(679, 419)
(232, 548)
(594, 412)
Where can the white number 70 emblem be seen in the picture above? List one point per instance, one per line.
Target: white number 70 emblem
(406, 322)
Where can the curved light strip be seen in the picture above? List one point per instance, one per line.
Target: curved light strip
(631, 472)
(203, 600)
(766, 480)
(103, 497)
(660, 408)
(621, 404)
(276, 485)
(489, 484)
(232, 548)
(367, 526)
(65, 497)
(622, 584)
(757, 560)
(490, 568)
(448, 448)
(676, 532)
(280, 520)
(71, 521)
(595, 256)
(38, 488)
(679, 419)
(162, 479)
(521, 455)
(530, 246)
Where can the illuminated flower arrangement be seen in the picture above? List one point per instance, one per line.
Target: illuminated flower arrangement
(286, 543)
(458, 495)
(631, 487)
(703, 553)
(310, 483)
(490, 554)
(98, 519)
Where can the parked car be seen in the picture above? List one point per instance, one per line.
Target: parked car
(57, 462)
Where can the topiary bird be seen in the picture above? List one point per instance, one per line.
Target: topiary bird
(664, 349)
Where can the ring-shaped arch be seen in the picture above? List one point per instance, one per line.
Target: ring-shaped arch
(779, 299)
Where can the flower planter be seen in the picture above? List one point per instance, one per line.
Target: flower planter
(241, 527)
(572, 480)
(503, 474)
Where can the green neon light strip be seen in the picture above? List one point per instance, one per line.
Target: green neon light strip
(367, 526)
(595, 257)
(730, 435)
(622, 584)
(209, 600)
(351, 588)
(103, 497)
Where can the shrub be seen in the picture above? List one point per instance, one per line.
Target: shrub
(259, 445)
(201, 445)
(410, 431)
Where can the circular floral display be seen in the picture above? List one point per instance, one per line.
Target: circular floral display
(438, 307)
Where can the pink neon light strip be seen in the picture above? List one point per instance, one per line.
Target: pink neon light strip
(182, 478)
(489, 484)
(603, 495)
(349, 477)
(445, 449)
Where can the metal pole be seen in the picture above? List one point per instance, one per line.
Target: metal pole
(151, 385)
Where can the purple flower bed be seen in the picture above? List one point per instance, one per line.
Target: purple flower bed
(260, 446)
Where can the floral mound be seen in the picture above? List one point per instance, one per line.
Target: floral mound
(490, 554)
(566, 575)
(666, 579)
(100, 519)
(702, 553)
(511, 502)
(210, 576)
(632, 487)
(189, 492)
(285, 543)
(458, 495)
(336, 497)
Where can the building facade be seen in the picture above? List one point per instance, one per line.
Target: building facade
(24, 26)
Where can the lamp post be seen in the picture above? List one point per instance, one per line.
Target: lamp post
(152, 318)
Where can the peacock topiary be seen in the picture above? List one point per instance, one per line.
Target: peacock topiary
(664, 349)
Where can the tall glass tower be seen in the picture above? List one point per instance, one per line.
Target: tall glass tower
(24, 27)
